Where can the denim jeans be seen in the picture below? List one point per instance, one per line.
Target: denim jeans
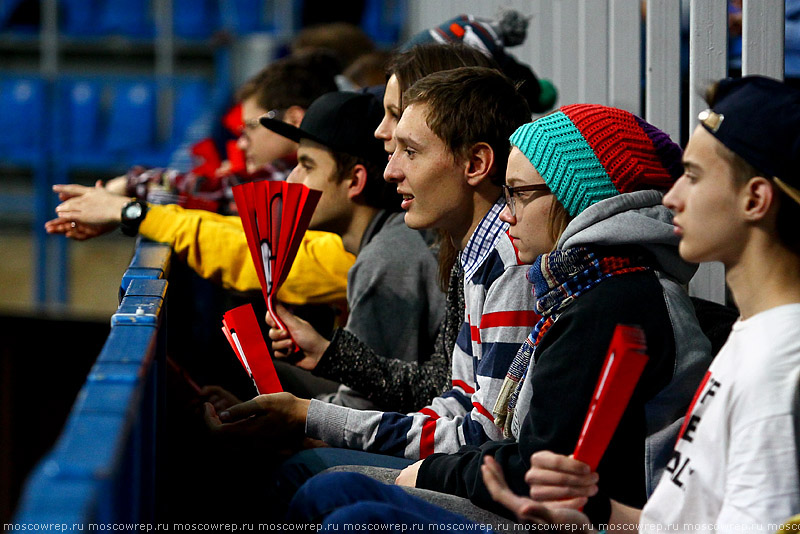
(298, 469)
(352, 501)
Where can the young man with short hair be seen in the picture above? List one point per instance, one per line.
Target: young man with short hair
(735, 465)
(395, 273)
(449, 164)
(282, 91)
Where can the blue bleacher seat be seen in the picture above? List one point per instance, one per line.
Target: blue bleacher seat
(195, 19)
(244, 16)
(192, 99)
(383, 20)
(131, 18)
(79, 18)
(81, 118)
(83, 108)
(112, 122)
(132, 119)
(22, 118)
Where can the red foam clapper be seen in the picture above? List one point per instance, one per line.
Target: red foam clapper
(240, 327)
(275, 216)
(623, 366)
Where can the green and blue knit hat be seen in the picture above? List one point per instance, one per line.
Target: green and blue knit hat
(587, 153)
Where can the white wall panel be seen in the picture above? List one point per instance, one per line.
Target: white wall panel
(708, 57)
(625, 55)
(663, 65)
(593, 42)
(763, 37)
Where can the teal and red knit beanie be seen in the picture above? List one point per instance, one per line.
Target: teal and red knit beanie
(587, 153)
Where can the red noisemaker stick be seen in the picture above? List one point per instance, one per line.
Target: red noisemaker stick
(623, 366)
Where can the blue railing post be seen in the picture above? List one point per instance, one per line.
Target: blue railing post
(104, 465)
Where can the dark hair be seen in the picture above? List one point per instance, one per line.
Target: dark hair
(378, 193)
(414, 64)
(527, 83)
(369, 69)
(466, 106)
(471, 105)
(292, 81)
(345, 41)
(787, 218)
(422, 60)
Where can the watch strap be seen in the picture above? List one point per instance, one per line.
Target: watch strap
(130, 225)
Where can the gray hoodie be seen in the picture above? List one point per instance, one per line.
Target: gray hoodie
(640, 219)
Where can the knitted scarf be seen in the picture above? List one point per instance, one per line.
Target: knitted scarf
(558, 278)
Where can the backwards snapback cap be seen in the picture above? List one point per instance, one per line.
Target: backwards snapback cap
(342, 122)
(758, 119)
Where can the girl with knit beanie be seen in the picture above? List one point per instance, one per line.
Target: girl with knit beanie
(584, 192)
(734, 466)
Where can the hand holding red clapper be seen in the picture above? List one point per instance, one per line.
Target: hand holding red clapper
(275, 216)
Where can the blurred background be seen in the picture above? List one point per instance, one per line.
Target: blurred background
(88, 89)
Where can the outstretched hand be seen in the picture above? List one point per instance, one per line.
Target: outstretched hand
(277, 415)
(308, 340)
(89, 205)
(220, 398)
(85, 212)
(77, 230)
(527, 510)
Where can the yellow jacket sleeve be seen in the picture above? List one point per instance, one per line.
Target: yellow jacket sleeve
(215, 247)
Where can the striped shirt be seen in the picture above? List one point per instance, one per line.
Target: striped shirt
(484, 239)
(497, 319)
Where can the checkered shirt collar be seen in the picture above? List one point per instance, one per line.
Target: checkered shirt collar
(483, 239)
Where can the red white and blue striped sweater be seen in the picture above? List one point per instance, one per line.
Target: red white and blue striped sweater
(497, 319)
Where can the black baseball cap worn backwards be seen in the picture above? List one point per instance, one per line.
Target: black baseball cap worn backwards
(758, 119)
(341, 121)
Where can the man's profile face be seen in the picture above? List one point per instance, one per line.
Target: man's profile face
(316, 169)
(432, 182)
(705, 202)
(261, 145)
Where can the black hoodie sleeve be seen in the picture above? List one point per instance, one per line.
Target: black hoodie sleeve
(568, 363)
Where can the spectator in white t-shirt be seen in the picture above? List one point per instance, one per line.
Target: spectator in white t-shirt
(735, 465)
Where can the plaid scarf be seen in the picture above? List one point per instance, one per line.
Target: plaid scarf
(558, 278)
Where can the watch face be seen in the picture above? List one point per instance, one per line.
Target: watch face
(133, 211)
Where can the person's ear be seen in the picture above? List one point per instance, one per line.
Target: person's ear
(758, 197)
(357, 181)
(294, 116)
(479, 164)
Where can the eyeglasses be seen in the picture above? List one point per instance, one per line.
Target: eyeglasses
(255, 124)
(273, 114)
(510, 191)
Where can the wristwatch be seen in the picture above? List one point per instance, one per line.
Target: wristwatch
(133, 214)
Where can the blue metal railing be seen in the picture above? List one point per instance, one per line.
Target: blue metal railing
(103, 467)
